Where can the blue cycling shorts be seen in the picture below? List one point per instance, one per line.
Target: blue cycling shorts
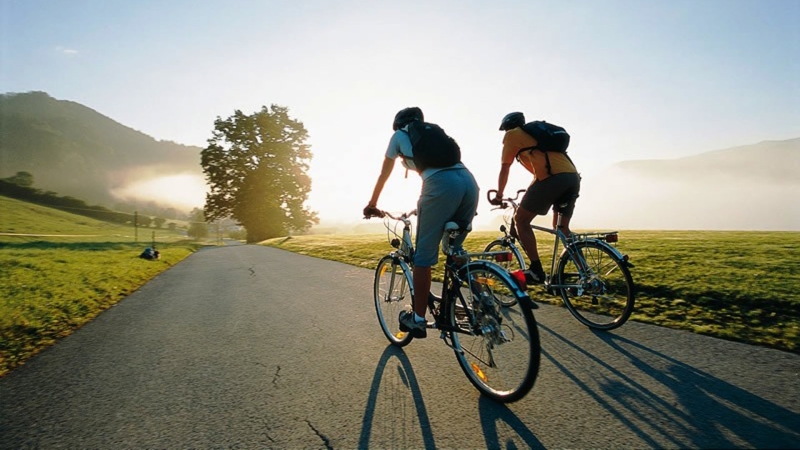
(449, 195)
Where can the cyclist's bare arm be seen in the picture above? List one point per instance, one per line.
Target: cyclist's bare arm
(386, 170)
(502, 179)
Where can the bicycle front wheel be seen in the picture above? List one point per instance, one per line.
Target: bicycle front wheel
(497, 347)
(392, 293)
(601, 298)
(511, 261)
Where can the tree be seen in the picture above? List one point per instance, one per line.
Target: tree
(145, 221)
(198, 229)
(256, 170)
(24, 179)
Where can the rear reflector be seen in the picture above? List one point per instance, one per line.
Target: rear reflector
(503, 257)
(612, 237)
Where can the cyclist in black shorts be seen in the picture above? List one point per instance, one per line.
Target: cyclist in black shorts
(555, 182)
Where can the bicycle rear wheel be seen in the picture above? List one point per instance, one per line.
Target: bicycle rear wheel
(497, 347)
(392, 292)
(604, 299)
(511, 262)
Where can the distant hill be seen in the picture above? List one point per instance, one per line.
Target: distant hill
(750, 187)
(74, 150)
(768, 162)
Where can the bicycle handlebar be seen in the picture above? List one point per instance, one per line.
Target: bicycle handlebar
(402, 216)
(504, 201)
(375, 212)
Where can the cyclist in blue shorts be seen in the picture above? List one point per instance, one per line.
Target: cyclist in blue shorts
(449, 194)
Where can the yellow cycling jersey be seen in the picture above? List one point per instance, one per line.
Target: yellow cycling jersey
(535, 162)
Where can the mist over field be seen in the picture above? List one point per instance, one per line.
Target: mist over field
(76, 151)
(628, 199)
(752, 187)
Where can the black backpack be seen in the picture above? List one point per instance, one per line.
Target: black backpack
(431, 146)
(549, 138)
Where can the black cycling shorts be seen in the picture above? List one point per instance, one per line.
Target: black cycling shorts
(559, 190)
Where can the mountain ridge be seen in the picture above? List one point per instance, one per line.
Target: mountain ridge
(768, 161)
(748, 187)
(74, 150)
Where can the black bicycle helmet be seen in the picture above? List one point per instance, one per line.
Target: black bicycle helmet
(406, 116)
(512, 120)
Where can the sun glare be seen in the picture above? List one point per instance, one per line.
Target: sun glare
(184, 191)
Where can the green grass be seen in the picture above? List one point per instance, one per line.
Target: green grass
(54, 284)
(740, 286)
(733, 285)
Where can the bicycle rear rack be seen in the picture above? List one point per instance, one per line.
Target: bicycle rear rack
(608, 236)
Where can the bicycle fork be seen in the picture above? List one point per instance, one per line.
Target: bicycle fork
(392, 281)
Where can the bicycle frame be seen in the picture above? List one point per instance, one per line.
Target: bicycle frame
(499, 352)
(452, 282)
(402, 242)
(455, 262)
(601, 238)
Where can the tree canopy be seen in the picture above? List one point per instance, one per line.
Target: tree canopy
(24, 179)
(255, 166)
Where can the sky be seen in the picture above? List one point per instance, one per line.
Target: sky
(629, 79)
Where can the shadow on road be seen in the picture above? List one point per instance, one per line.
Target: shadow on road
(709, 404)
(662, 399)
(397, 427)
(388, 431)
(493, 413)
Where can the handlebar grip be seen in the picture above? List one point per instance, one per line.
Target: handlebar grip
(371, 211)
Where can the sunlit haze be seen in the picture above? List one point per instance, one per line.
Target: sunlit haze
(181, 191)
(630, 80)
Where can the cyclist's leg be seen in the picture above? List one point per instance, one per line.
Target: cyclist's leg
(541, 194)
(448, 195)
(571, 192)
(468, 204)
(527, 239)
(433, 211)
(422, 285)
(533, 203)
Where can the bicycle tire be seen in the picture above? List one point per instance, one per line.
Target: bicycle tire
(498, 348)
(516, 263)
(392, 289)
(605, 301)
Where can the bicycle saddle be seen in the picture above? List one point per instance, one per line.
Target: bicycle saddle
(455, 229)
(451, 231)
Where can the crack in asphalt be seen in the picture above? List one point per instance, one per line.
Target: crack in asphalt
(324, 438)
(277, 375)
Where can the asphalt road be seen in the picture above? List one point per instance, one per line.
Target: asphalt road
(253, 347)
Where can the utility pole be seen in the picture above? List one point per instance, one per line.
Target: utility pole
(136, 226)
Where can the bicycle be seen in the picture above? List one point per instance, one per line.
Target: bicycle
(592, 277)
(497, 348)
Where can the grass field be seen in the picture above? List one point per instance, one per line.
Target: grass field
(60, 270)
(740, 286)
(66, 269)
